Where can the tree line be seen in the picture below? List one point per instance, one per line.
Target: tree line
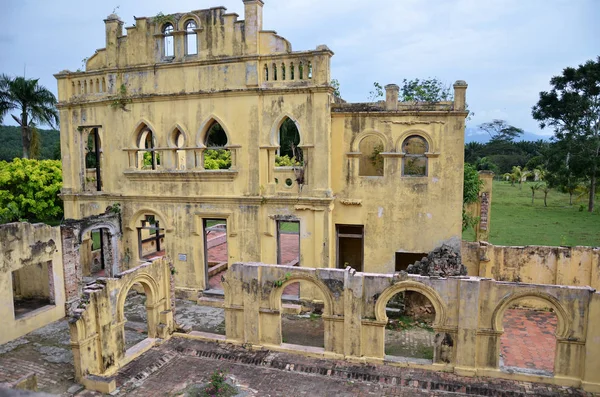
(570, 162)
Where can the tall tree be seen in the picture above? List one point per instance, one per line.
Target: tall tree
(500, 131)
(34, 104)
(426, 90)
(572, 108)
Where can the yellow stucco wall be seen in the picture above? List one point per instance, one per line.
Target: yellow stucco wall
(577, 266)
(130, 85)
(469, 311)
(28, 250)
(97, 325)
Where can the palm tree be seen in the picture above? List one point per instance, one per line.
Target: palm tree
(34, 103)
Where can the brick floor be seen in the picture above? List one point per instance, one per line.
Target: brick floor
(179, 363)
(528, 341)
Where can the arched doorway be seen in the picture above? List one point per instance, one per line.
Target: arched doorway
(136, 316)
(302, 322)
(151, 238)
(409, 333)
(528, 343)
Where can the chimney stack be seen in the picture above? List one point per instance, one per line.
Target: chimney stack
(460, 95)
(391, 97)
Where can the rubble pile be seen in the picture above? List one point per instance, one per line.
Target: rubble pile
(443, 261)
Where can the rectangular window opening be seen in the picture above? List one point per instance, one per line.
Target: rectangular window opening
(403, 259)
(350, 246)
(33, 288)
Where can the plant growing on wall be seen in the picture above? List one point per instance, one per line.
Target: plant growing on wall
(120, 101)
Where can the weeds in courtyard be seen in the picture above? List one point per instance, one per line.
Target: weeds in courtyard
(402, 323)
(217, 386)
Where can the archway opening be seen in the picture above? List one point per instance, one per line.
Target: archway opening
(528, 343)
(371, 160)
(216, 156)
(151, 238)
(289, 154)
(409, 334)
(302, 322)
(136, 316)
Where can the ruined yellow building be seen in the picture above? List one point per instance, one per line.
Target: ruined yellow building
(202, 123)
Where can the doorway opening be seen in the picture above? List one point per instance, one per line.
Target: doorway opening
(216, 255)
(136, 316)
(528, 343)
(409, 335)
(350, 246)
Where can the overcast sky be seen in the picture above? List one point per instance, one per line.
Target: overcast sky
(506, 50)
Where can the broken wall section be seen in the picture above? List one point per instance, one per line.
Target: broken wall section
(32, 289)
(575, 266)
(97, 325)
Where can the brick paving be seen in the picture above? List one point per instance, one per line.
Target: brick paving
(528, 341)
(179, 363)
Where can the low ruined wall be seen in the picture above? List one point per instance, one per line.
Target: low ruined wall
(468, 318)
(30, 267)
(577, 266)
(97, 324)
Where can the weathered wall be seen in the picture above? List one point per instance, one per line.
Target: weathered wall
(577, 266)
(35, 253)
(97, 325)
(469, 311)
(400, 213)
(129, 86)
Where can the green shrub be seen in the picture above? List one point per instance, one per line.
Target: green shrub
(217, 159)
(286, 161)
(29, 190)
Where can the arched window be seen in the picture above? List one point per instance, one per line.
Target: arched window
(178, 138)
(289, 154)
(191, 38)
(310, 70)
(371, 160)
(274, 71)
(145, 142)
(169, 47)
(292, 71)
(283, 71)
(216, 156)
(266, 72)
(415, 161)
(301, 71)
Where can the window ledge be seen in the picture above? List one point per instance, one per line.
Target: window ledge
(181, 176)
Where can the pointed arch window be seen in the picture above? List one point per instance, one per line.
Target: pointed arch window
(266, 72)
(168, 44)
(289, 152)
(414, 162)
(216, 154)
(148, 158)
(191, 38)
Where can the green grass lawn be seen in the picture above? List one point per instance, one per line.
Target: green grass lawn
(515, 221)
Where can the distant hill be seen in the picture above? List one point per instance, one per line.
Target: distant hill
(476, 135)
(11, 145)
